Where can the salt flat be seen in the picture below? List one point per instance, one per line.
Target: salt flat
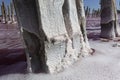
(103, 65)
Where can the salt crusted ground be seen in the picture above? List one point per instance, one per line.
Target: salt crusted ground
(12, 54)
(103, 65)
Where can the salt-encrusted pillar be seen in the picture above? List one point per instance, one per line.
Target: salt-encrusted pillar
(72, 25)
(33, 35)
(82, 23)
(9, 14)
(12, 13)
(109, 19)
(4, 13)
(44, 32)
(57, 18)
(52, 40)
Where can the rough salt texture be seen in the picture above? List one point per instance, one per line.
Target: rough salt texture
(103, 65)
(51, 17)
(82, 22)
(52, 33)
(72, 24)
(70, 51)
(55, 32)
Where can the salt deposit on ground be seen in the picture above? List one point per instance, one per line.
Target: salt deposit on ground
(103, 65)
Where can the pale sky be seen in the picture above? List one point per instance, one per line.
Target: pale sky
(95, 3)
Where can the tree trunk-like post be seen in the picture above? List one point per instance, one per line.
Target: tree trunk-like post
(12, 13)
(4, 13)
(93, 13)
(109, 20)
(9, 15)
(117, 26)
(82, 24)
(52, 33)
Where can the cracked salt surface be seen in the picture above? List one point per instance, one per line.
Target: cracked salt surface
(103, 65)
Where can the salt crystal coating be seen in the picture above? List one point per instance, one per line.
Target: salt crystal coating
(52, 33)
